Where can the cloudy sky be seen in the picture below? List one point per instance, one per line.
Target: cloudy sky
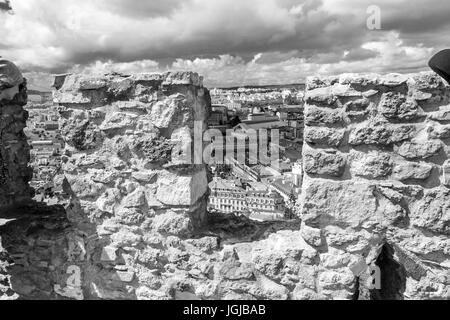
(229, 42)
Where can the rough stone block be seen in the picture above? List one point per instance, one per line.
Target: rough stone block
(358, 105)
(329, 163)
(320, 116)
(426, 81)
(421, 96)
(357, 110)
(439, 131)
(312, 236)
(136, 199)
(411, 170)
(420, 150)
(395, 106)
(108, 254)
(179, 190)
(321, 96)
(373, 165)
(119, 121)
(380, 134)
(443, 115)
(172, 223)
(362, 80)
(124, 276)
(433, 212)
(146, 177)
(345, 91)
(320, 82)
(324, 136)
(393, 80)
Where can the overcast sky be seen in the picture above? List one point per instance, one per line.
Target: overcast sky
(229, 42)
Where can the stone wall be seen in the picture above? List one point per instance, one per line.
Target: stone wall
(376, 183)
(136, 227)
(128, 172)
(14, 150)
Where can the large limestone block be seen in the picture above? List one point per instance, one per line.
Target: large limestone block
(433, 211)
(372, 165)
(412, 170)
(396, 106)
(355, 204)
(181, 190)
(382, 134)
(323, 136)
(327, 163)
(420, 150)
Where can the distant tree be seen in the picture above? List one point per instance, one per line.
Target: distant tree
(292, 209)
(234, 121)
(224, 171)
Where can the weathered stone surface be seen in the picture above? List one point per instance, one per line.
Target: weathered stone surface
(439, 131)
(380, 134)
(426, 81)
(334, 203)
(14, 150)
(126, 190)
(372, 165)
(433, 212)
(321, 96)
(396, 106)
(109, 254)
(357, 109)
(172, 223)
(362, 80)
(442, 115)
(393, 80)
(411, 170)
(324, 136)
(397, 216)
(176, 190)
(329, 163)
(282, 255)
(342, 90)
(420, 150)
(321, 116)
(312, 236)
(233, 269)
(320, 82)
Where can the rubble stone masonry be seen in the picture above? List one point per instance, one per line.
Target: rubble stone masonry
(376, 190)
(14, 150)
(377, 177)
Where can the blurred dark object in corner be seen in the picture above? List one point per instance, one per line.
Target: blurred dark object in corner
(440, 63)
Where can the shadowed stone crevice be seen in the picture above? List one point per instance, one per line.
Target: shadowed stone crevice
(28, 246)
(393, 277)
(232, 229)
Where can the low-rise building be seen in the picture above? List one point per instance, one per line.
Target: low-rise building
(256, 201)
(227, 196)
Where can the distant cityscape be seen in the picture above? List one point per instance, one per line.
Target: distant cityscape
(46, 143)
(257, 190)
